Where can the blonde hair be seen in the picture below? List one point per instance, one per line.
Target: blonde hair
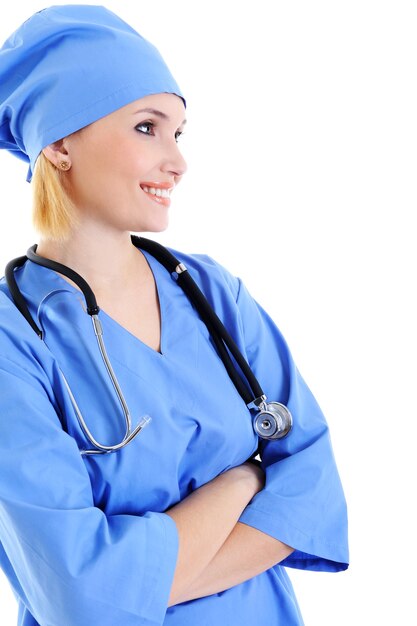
(53, 213)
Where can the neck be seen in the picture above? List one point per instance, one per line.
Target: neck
(107, 260)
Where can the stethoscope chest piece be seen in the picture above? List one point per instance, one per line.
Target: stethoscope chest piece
(274, 421)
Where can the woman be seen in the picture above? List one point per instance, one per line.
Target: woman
(178, 526)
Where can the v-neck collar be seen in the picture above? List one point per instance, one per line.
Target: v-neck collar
(39, 281)
(154, 267)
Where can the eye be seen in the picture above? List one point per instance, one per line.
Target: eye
(178, 134)
(152, 125)
(143, 124)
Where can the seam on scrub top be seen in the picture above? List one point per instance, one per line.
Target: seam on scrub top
(139, 377)
(239, 317)
(109, 351)
(161, 301)
(226, 277)
(21, 367)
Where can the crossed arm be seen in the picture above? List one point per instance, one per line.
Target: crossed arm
(216, 551)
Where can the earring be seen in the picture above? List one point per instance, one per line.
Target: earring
(64, 165)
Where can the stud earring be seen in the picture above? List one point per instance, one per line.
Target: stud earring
(64, 165)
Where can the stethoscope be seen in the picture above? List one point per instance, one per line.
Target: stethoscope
(273, 420)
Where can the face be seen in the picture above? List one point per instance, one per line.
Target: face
(119, 161)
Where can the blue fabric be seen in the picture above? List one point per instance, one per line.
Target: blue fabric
(85, 540)
(66, 67)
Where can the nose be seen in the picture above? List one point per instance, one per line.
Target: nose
(174, 162)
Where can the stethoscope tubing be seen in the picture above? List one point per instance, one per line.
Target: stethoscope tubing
(216, 328)
(273, 420)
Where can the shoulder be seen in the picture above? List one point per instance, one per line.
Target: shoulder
(10, 322)
(25, 360)
(18, 341)
(220, 287)
(210, 275)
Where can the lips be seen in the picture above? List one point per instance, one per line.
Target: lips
(165, 201)
(156, 185)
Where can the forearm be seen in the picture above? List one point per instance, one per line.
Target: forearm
(246, 553)
(204, 520)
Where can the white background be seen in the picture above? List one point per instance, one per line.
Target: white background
(301, 150)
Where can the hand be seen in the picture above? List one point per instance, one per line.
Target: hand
(253, 473)
(202, 534)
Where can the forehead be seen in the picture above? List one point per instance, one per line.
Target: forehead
(167, 106)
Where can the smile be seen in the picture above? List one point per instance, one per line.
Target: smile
(160, 196)
(161, 193)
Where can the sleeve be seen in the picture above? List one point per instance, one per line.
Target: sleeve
(69, 562)
(302, 503)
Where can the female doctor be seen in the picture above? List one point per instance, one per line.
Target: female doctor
(173, 525)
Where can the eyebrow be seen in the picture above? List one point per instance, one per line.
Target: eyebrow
(160, 114)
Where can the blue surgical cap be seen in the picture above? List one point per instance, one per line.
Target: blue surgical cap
(66, 67)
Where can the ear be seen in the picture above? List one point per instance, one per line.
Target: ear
(57, 153)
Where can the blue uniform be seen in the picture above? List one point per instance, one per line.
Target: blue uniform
(84, 539)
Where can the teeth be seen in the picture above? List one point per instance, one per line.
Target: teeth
(162, 193)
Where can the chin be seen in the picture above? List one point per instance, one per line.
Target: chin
(149, 227)
(159, 225)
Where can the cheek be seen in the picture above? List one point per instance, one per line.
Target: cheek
(109, 164)
(124, 162)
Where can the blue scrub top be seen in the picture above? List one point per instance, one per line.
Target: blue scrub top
(84, 539)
